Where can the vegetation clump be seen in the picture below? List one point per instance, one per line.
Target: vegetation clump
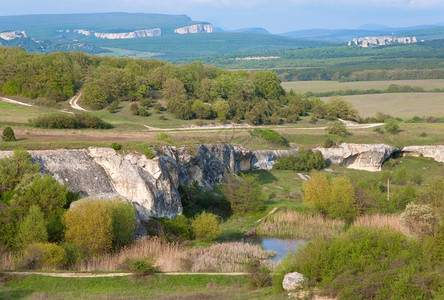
(141, 266)
(206, 226)
(305, 161)
(66, 121)
(8, 135)
(270, 136)
(244, 193)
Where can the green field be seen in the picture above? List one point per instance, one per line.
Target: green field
(328, 86)
(402, 105)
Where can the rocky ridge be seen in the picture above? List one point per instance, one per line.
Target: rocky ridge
(197, 28)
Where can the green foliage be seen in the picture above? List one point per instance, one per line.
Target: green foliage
(48, 194)
(149, 153)
(222, 109)
(141, 266)
(124, 224)
(206, 226)
(63, 120)
(178, 229)
(337, 107)
(43, 256)
(335, 199)
(33, 228)
(270, 136)
(365, 264)
(116, 146)
(8, 135)
(134, 108)
(420, 219)
(268, 84)
(433, 195)
(13, 169)
(258, 274)
(164, 137)
(337, 128)
(112, 108)
(73, 254)
(305, 161)
(244, 193)
(400, 175)
(201, 110)
(98, 225)
(391, 126)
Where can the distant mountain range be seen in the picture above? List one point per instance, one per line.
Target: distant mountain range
(171, 36)
(423, 32)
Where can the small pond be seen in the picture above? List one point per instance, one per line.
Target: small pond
(280, 246)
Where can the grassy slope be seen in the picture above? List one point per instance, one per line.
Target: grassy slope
(157, 287)
(327, 86)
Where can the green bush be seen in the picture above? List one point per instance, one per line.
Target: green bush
(420, 219)
(149, 153)
(164, 137)
(244, 193)
(258, 275)
(305, 161)
(33, 228)
(270, 136)
(134, 108)
(43, 256)
(67, 121)
(8, 135)
(112, 108)
(73, 254)
(141, 266)
(206, 226)
(116, 146)
(337, 128)
(14, 168)
(365, 263)
(391, 126)
(178, 229)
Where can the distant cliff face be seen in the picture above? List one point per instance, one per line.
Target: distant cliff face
(123, 35)
(10, 35)
(198, 28)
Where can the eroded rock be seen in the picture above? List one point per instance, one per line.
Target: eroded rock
(293, 281)
(435, 152)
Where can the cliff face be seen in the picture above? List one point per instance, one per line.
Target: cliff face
(435, 152)
(198, 28)
(122, 35)
(368, 157)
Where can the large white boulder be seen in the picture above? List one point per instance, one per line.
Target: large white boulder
(293, 281)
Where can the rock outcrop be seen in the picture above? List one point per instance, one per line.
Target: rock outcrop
(197, 28)
(435, 152)
(265, 159)
(11, 35)
(122, 35)
(368, 157)
(293, 281)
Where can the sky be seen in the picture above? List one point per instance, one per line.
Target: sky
(277, 16)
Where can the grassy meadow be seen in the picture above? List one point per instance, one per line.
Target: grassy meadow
(331, 85)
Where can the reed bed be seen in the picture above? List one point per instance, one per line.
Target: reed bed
(297, 225)
(168, 256)
(7, 261)
(228, 257)
(383, 221)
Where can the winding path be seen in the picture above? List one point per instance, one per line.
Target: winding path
(7, 100)
(73, 102)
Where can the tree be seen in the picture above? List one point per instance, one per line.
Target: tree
(341, 199)
(8, 135)
(124, 223)
(13, 169)
(268, 84)
(315, 191)
(173, 89)
(33, 228)
(201, 110)
(205, 226)
(244, 193)
(89, 225)
(392, 126)
(337, 127)
(222, 109)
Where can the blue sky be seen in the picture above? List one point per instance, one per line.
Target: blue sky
(277, 16)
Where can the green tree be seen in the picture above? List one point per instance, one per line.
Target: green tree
(315, 191)
(205, 226)
(392, 126)
(173, 89)
(341, 199)
(94, 96)
(124, 223)
(337, 127)
(222, 109)
(33, 228)
(13, 169)
(244, 193)
(8, 135)
(268, 84)
(201, 110)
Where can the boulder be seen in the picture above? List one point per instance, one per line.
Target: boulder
(265, 159)
(293, 281)
(368, 157)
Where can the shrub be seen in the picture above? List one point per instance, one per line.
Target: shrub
(328, 142)
(123, 223)
(306, 160)
(365, 263)
(158, 107)
(73, 254)
(112, 108)
(14, 168)
(8, 135)
(116, 146)
(150, 153)
(134, 108)
(420, 219)
(141, 266)
(178, 229)
(244, 193)
(258, 275)
(337, 128)
(391, 126)
(205, 226)
(33, 228)
(400, 175)
(66, 121)
(164, 137)
(379, 130)
(270, 135)
(43, 256)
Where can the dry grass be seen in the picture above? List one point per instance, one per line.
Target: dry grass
(172, 257)
(382, 221)
(168, 256)
(296, 225)
(7, 260)
(228, 257)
